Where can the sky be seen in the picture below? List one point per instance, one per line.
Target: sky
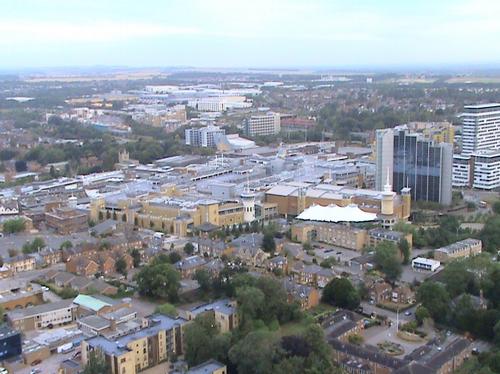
(251, 33)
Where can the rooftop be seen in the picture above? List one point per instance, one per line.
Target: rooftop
(335, 213)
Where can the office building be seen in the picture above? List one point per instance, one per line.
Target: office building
(423, 166)
(425, 264)
(384, 154)
(203, 136)
(263, 125)
(10, 343)
(480, 128)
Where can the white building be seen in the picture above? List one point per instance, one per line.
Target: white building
(479, 170)
(203, 136)
(219, 104)
(263, 125)
(481, 128)
(384, 154)
(425, 264)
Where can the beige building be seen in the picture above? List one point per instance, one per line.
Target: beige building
(42, 316)
(159, 342)
(465, 248)
(223, 311)
(331, 233)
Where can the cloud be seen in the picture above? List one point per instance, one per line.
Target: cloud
(13, 32)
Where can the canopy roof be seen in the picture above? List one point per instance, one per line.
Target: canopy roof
(335, 213)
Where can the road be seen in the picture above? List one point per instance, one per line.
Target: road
(370, 308)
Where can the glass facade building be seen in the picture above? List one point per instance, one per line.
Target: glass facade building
(423, 166)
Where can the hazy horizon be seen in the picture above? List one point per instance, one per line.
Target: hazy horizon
(240, 34)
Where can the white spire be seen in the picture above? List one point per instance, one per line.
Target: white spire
(388, 186)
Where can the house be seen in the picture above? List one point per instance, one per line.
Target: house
(212, 247)
(51, 256)
(380, 292)
(313, 275)
(188, 266)
(342, 324)
(278, 263)
(461, 249)
(306, 296)
(20, 263)
(106, 263)
(82, 266)
(403, 295)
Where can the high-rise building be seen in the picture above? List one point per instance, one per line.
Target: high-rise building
(423, 166)
(263, 125)
(479, 170)
(480, 128)
(384, 154)
(203, 136)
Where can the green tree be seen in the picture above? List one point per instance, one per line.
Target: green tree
(15, 225)
(159, 280)
(404, 248)
(421, 313)
(66, 245)
(268, 243)
(121, 266)
(189, 249)
(458, 279)
(340, 292)
(386, 259)
(203, 278)
(167, 309)
(136, 256)
(490, 234)
(96, 364)
(174, 257)
(435, 299)
(496, 207)
(255, 353)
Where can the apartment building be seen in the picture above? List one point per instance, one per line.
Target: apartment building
(66, 220)
(330, 233)
(462, 249)
(480, 170)
(378, 235)
(20, 263)
(43, 316)
(203, 136)
(263, 125)
(224, 312)
(480, 128)
(142, 349)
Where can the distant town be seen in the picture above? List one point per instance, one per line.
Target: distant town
(245, 221)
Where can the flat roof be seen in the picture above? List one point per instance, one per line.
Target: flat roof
(40, 309)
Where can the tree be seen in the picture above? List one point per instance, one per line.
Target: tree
(20, 166)
(435, 299)
(174, 257)
(307, 247)
(159, 280)
(255, 353)
(496, 207)
(340, 292)
(421, 314)
(490, 234)
(203, 278)
(15, 225)
(36, 245)
(66, 245)
(404, 248)
(136, 256)
(13, 252)
(96, 364)
(167, 309)
(386, 259)
(458, 279)
(121, 266)
(189, 248)
(199, 337)
(268, 243)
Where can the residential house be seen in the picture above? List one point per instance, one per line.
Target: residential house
(208, 367)
(20, 263)
(82, 266)
(403, 295)
(380, 292)
(313, 275)
(188, 266)
(278, 263)
(306, 296)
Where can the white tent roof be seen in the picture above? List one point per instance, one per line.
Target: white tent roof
(335, 213)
